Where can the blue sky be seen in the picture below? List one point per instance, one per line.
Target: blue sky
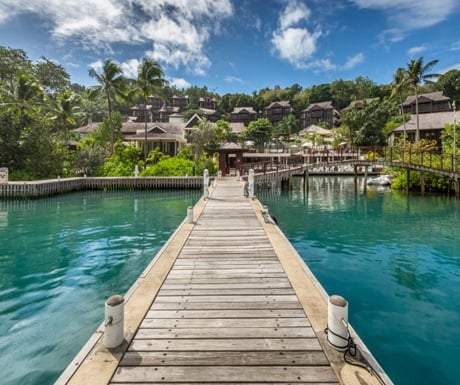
(235, 46)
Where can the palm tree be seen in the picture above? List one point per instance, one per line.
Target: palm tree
(112, 85)
(417, 73)
(149, 78)
(24, 94)
(64, 110)
(399, 86)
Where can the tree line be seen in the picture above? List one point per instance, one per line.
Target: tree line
(39, 108)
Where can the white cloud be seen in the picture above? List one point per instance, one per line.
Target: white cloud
(177, 29)
(322, 65)
(97, 66)
(179, 83)
(233, 79)
(452, 67)
(296, 45)
(455, 46)
(130, 68)
(293, 14)
(413, 51)
(352, 62)
(405, 16)
(292, 41)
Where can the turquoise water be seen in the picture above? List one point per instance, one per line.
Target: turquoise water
(60, 259)
(395, 258)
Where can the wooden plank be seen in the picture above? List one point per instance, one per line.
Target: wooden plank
(269, 281)
(228, 314)
(224, 274)
(225, 255)
(225, 263)
(250, 249)
(216, 285)
(243, 344)
(248, 306)
(224, 322)
(222, 299)
(226, 269)
(209, 374)
(275, 358)
(222, 292)
(246, 332)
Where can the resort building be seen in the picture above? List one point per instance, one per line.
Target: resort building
(180, 102)
(320, 113)
(243, 115)
(427, 103)
(435, 111)
(149, 112)
(207, 103)
(430, 127)
(166, 136)
(276, 111)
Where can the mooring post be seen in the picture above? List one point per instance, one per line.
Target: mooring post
(422, 182)
(190, 214)
(206, 184)
(355, 177)
(251, 183)
(337, 323)
(457, 187)
(365, 179)
(305, 180)
(114, 321)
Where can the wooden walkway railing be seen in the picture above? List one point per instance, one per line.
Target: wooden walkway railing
(373, 162)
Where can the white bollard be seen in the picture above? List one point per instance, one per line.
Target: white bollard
(337, 323)
(114, 321)
(206, 184)
(219, 174)
(190, 214)
(251, 183)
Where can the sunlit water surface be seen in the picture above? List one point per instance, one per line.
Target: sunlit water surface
(395, 258)
(60, 259)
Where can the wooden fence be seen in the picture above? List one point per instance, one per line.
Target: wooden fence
(45, 188)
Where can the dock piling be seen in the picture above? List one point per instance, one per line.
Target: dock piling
(337, 323)
(114, 321)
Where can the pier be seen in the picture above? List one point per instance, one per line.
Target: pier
(226, 300)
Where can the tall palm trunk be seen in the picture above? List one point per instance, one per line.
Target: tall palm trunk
(417, 125)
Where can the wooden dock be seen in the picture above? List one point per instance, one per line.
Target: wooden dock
(224, 302)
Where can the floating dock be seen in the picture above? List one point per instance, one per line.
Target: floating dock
(227, 300)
